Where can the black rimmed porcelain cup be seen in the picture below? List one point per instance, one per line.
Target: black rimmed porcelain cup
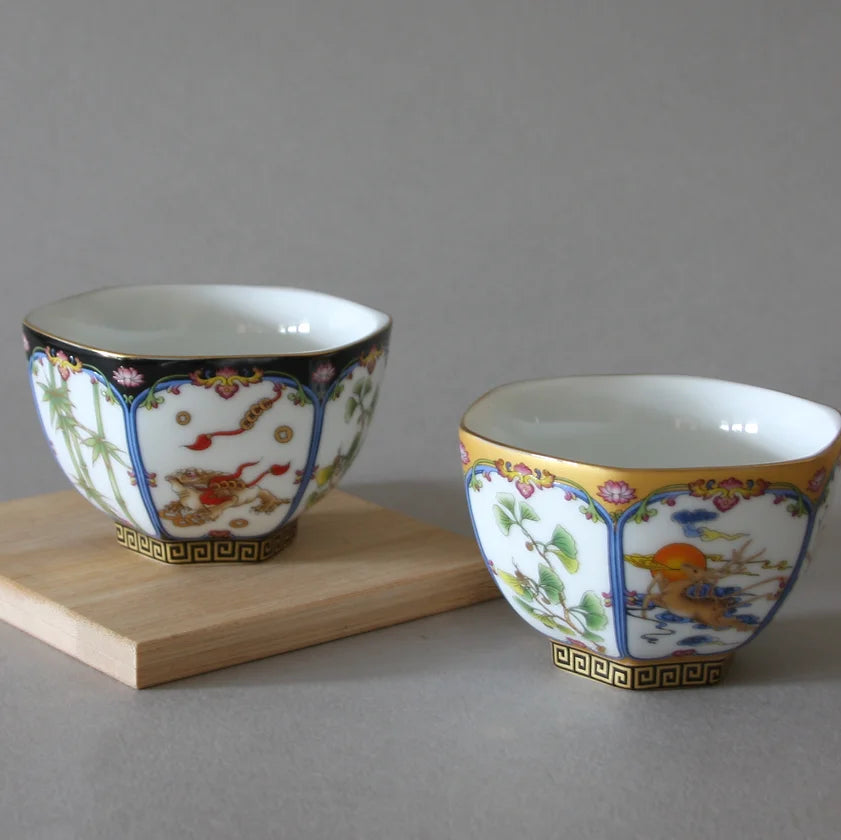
(204, 419)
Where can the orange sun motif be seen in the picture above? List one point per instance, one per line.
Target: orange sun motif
(675, 556)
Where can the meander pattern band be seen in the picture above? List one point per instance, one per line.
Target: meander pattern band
(207, 551)
(662, 674)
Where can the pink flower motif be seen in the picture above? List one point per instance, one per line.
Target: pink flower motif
(526, 490)
(465, 457)
(816, 482)
(525, 479)
(617, 492)
(128, 377)
(724, 503)
(726, 494)
(26, 345)
(323, 374)
(228, 384)
(225, 381)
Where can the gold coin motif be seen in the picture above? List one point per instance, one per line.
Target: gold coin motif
(238, 523)
(283, 434)
(183, 418)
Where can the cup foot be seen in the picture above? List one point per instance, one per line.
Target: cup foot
(635, 674)
(208, 550)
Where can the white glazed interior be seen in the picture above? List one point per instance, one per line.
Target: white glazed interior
(651, 421)
(181, 320)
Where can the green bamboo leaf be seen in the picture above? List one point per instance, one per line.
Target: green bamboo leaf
(527, 512)
(593, 609)
(350, 408)
(65, 422)
(592, 637)
(550, 583)
(367, 385)
(502, 519)
(355, 444)
(507, 501)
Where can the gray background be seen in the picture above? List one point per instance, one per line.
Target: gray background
(531, 189)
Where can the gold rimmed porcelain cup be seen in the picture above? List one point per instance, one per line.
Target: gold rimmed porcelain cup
(204, 419)
(649, 525)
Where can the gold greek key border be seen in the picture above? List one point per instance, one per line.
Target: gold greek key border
(668, 673)
(207, 551)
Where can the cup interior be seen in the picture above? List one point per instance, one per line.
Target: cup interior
(224, 321)
(653, 422)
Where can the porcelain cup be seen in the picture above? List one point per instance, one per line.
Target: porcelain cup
(649, 525)
(204, 419)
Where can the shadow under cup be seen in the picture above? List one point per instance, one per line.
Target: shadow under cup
(649, 525)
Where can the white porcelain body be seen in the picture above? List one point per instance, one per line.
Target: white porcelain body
(650, 517)
(253, 407)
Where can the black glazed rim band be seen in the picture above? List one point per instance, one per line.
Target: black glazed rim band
(298, 366)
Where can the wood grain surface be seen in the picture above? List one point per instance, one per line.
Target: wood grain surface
(354, 567)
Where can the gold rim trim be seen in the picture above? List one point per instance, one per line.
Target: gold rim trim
(636, 675)
(329, 351)
(820, 454)
(178, 552)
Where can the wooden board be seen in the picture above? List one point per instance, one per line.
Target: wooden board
(354, 567)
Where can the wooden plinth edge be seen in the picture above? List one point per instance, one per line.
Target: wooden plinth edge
(353, 567)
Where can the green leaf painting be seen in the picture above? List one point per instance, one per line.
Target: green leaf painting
(350, 407)
(594, 612)
(502, 519)
(507, 501)
(527, 512)
(87, 447)
(550, 583)
(543, 594)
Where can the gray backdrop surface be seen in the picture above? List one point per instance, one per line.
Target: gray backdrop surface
(530, 189)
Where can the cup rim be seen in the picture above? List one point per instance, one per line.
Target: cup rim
(533, 453)
(28, 321)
